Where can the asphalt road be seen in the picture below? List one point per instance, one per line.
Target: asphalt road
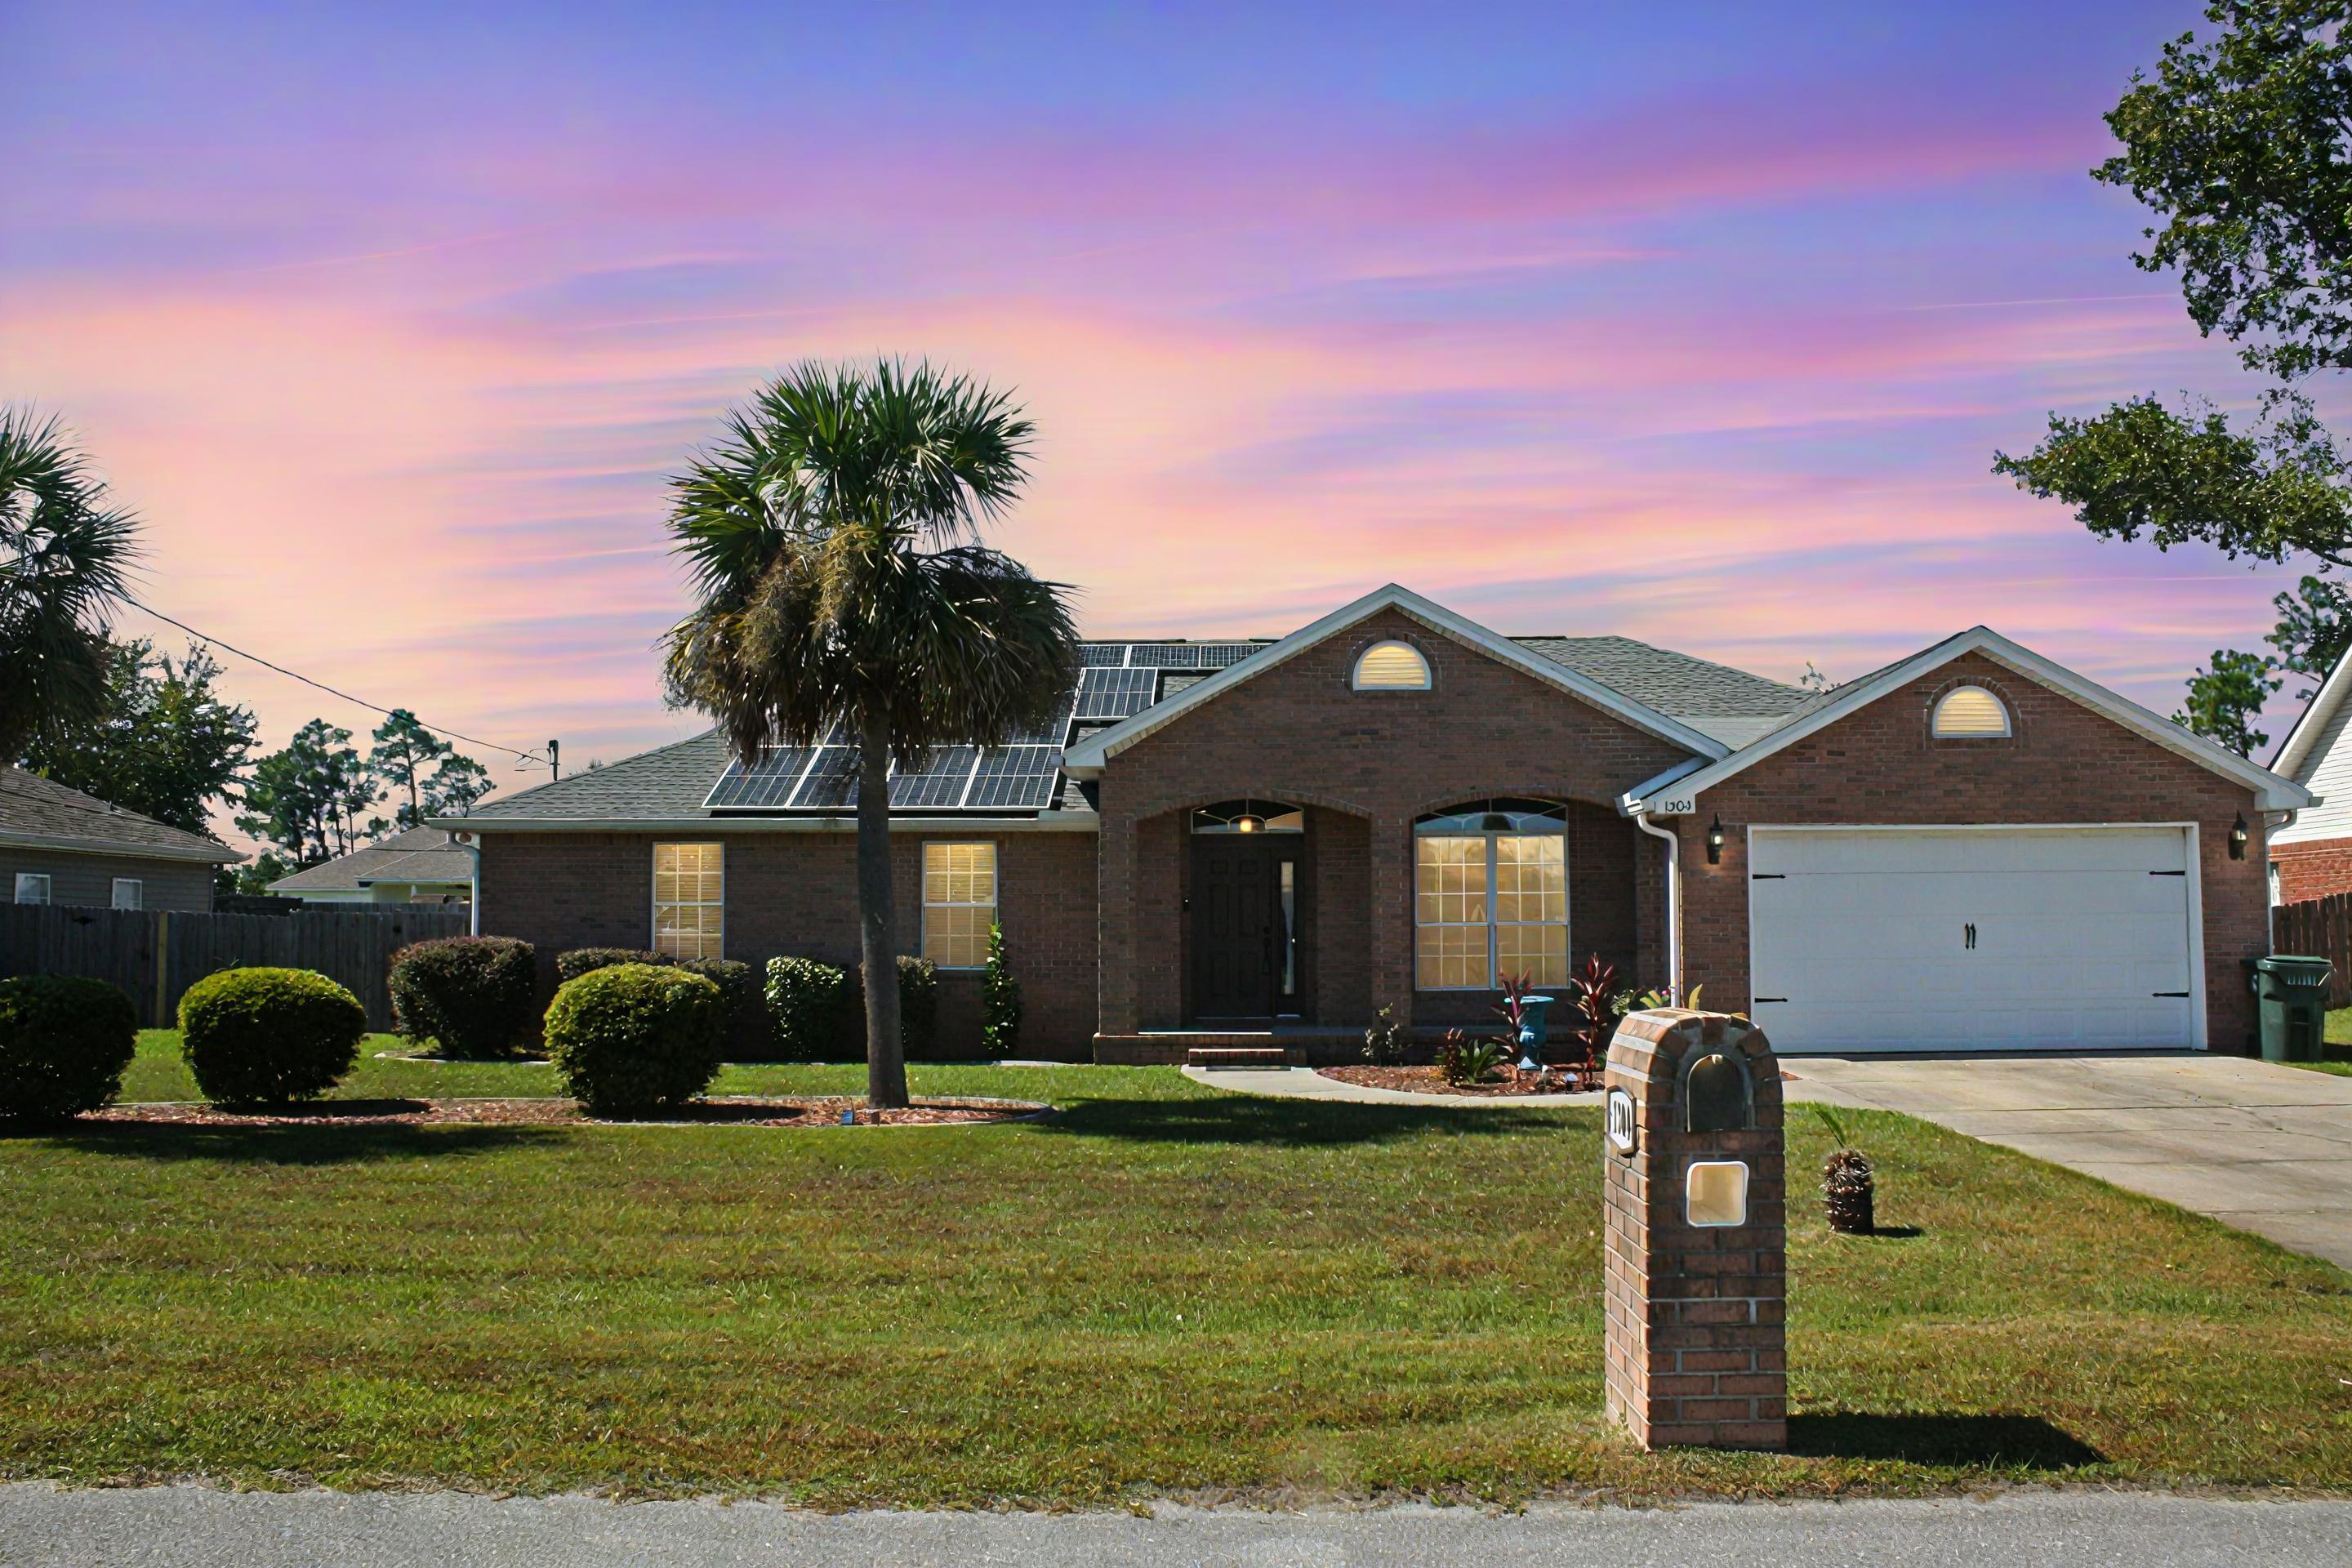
(181, 1527)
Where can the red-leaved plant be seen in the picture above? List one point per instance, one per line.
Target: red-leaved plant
(1590, 990)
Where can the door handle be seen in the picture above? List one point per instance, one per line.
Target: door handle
(1968, 936)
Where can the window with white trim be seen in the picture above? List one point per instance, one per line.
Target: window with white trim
(1391, 666)
(1969, 714)
(1490, 896)
(130, 893)
(32, 886)
(959, 904)
(689, 901)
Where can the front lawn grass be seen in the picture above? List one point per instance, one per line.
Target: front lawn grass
(1166, 1289)
(2337, 1048)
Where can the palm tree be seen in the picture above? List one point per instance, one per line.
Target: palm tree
(834, 537)
(65, 556)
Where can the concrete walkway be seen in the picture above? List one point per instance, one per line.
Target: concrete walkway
(1306, 1083)
(193, 1527)
(2255, 1145)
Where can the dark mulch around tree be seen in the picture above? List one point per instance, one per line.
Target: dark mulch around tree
(1429, 1080)
(810, 1110)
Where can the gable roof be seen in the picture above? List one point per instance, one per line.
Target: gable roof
(1732, 705)
(1087, 756)
(2309, 739)
(2272, 792)
(665, 783)
(421, 854)
(41, 814)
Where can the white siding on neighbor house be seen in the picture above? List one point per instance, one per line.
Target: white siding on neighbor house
(2327, 772)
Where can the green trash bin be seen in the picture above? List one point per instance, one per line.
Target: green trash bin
(2291, 998)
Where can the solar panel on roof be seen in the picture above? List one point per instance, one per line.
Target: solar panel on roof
(1015, 778)
(1115, 693)
(832, 779)
(1191, 655)
(939, 783)
(1095, 654)
(766, 783)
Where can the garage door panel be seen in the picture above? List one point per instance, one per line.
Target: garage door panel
(1867, 936)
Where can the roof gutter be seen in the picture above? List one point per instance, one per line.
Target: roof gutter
(1043, 822)
(221, 854)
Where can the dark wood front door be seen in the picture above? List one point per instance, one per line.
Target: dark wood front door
(1240, 935)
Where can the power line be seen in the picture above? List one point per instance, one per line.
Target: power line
(322, 686)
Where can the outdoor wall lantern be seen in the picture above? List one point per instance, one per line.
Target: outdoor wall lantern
(1715, 1192)
(2238, 837)
(1715, 841)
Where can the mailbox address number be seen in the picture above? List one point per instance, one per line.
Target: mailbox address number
(1671, 804)
(1622, 1135)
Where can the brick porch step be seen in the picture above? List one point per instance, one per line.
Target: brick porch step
(1236, 1056)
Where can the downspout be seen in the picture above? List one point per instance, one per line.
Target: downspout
(1674, 902)
(473, 848)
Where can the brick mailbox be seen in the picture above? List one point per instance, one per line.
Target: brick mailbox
(1697, 1240)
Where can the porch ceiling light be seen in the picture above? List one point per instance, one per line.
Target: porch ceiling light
(1715, 841)
(2238, 838)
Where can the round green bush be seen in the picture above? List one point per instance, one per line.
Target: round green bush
(64, 1043)
(635, 1037)
(474, 995)
(573, 963)
(263, 1037)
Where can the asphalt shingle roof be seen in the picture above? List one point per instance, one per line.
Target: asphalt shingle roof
(412, 854)
(670, 782)
(33, 807)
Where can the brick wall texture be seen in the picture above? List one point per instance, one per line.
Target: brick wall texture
(2312, 869)
(1694, 1340)
(795, 893)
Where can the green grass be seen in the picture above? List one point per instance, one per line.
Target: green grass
(1166, 1289)
(2338, 1048)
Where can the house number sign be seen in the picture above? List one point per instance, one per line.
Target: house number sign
(1621, 1135)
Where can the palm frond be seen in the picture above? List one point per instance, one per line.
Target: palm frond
(66, 558)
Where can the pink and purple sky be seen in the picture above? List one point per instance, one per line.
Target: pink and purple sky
(1695, 323)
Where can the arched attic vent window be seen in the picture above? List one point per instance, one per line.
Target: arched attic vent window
(1971, 714)
(1392, 666)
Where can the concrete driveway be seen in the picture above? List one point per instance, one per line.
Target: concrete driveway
(2265, 1148)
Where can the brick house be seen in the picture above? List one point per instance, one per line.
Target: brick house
(1973, 849)
(2311, 854)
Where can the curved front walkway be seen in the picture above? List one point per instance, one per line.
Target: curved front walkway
(1306, 1083)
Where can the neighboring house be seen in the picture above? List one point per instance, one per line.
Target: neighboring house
(2312, 856)
(1971, 848)
(59, 845)
(415, 866)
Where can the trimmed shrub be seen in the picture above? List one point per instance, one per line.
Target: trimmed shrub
(919, 1008)
(739, 983)
(635, 1037)
(814, 1008)
(580, 961)
(474, 995)
(818, 1010)
(263, 1037)
(64, 1043)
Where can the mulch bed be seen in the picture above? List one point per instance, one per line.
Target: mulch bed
(1429, 1080)
(805, 1110)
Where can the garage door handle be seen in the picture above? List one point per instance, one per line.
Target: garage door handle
(2168, 873)
(1770, 998)
(1768, 876)
(2181, 994)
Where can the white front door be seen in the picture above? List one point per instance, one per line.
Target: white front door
(1960, 939)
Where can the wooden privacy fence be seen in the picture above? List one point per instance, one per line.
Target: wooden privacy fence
(2319, 927)
(155, 955)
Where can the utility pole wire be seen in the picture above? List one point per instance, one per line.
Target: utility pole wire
(322, 686)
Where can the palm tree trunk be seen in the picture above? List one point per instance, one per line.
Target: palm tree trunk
(878, 919)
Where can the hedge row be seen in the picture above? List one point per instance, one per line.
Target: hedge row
(818, 1009)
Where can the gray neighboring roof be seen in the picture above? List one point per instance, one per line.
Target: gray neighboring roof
(412, 854)
(37, 813)
(1732, 705)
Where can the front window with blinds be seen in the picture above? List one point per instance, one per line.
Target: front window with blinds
(959, 904)
(1491, 896)
(689, 899)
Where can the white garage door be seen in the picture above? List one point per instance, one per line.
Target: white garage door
(1966, 939)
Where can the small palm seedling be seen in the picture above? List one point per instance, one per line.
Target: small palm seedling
(1849, 1190)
